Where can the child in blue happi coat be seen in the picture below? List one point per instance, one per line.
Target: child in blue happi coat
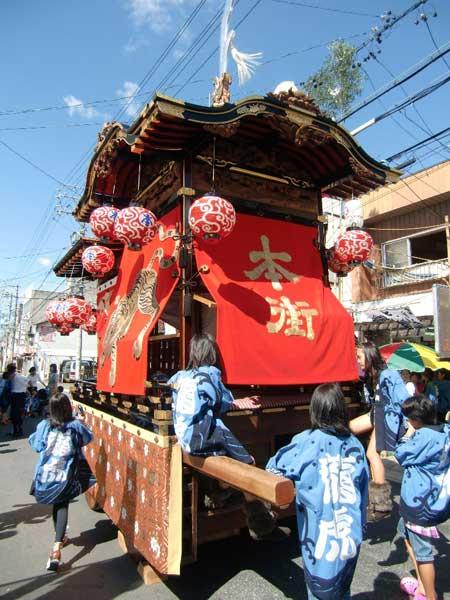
(385, 392)
(424, 454)
(58, 477)
(199, 401)
(329, 468)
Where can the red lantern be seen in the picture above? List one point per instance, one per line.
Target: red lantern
(102, 221)
(64, 329)
(54, 312)
(335, 265)
(97, 260)
(76, 311)
(212, 218)
(135, 226)
(91, 326)
(353, 246)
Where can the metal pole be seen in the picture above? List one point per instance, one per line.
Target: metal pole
(80, 355)
(80, 344)
(15, 323)
(8, 329)
(341, 227)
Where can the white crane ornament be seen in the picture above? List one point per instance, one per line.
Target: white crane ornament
(246, 62)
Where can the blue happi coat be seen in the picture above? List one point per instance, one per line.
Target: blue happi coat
(199, 398)
(58, 449)
(331, 480)
(391, 393)
(425, 492)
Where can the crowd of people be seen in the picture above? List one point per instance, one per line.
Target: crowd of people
(22, 395)
(340, 485)
(433, 384)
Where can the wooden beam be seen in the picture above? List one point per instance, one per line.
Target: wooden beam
(247, 478)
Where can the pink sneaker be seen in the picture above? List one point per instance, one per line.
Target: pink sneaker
(419, 596)
(409, 585)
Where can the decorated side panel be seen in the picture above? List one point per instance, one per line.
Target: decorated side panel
(277, 321)
(139, 487)
(129, 308)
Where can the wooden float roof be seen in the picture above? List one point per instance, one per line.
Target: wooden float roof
(326, 154)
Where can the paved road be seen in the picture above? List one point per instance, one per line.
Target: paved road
(236, 569)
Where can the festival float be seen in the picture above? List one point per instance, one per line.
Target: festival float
(213, 217)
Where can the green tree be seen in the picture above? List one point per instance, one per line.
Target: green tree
(338, 82)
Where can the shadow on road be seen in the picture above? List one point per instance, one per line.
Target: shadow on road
(386, 586)
(103, 531)
(81, 582)
(28, 514)
(272, 562)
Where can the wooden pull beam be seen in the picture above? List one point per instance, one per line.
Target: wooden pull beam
(279, 491)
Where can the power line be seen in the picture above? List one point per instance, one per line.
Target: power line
(45, 223)
(190, 54)
(324, 8)
(50, 126)
(418, 145)
(433, 39)
(426, 128)
(390, 22)
(153, 69)
(208, 58)
(34, 165)
(405, 76)
(50, 251)
(423, 93)
(146, 78)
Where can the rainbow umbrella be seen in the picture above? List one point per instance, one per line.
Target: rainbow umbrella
(414, 357)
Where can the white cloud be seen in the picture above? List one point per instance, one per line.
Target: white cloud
(178, 53)
(44, 261)
(76, 107)
(156, 14)
(129, 88)
(134, 43)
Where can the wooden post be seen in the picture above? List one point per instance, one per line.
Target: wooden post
(447, 235)
(185, 322)
(147, 572)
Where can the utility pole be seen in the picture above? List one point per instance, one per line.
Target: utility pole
(8, 330)
(79, 360)
(14, 333)
(447, 235)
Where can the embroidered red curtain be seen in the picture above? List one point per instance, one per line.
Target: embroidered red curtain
(130, 308)
(277, 323)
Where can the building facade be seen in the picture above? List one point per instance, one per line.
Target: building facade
(39, 344)
(392, 298)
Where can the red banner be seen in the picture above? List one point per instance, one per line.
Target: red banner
(278, 324)
(130, 307)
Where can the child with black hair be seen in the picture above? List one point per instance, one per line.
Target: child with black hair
(199, 400)
(328, 465)
(57, 479)
(424, 453)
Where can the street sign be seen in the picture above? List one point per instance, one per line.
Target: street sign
(441, 302)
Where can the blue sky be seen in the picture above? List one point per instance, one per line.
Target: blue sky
(64, 53)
